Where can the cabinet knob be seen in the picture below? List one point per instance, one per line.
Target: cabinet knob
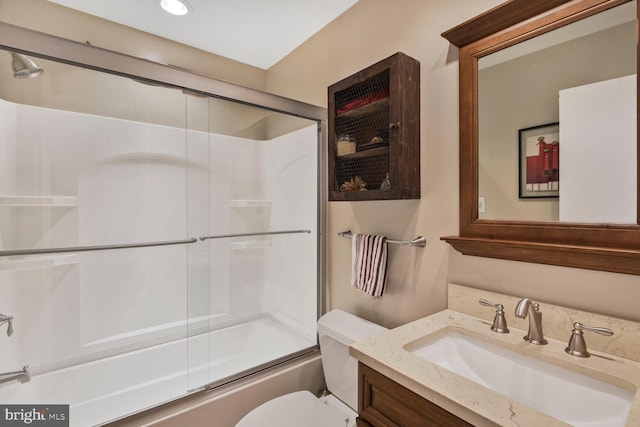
(394, 125)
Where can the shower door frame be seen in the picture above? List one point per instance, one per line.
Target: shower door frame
(29, 42)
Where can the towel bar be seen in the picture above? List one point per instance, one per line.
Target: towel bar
(418, 241)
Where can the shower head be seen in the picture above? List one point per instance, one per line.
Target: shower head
(24, 67)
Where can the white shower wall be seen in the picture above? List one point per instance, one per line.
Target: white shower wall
(292, 173)
(273, 187)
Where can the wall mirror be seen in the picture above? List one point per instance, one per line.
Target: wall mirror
(548, 134)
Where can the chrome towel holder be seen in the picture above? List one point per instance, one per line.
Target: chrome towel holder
(418, 241)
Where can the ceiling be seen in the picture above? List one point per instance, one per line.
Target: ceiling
(255, 32)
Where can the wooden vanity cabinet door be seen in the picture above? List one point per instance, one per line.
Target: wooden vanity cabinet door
(385, 403)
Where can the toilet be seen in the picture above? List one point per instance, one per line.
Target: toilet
(337, 330)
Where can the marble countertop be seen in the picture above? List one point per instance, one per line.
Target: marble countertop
(471, 401)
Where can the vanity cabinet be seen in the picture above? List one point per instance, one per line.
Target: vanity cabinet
(374, 132)
(385, 403)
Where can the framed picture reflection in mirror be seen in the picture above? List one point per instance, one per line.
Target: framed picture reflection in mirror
(539, 161)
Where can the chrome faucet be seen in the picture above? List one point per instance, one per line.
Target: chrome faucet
(527, 307)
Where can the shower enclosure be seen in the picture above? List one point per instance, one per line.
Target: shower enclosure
(159, 231)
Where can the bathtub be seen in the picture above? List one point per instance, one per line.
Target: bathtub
(112, 387)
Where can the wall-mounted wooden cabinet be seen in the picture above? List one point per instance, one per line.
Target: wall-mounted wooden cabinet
(374, 132)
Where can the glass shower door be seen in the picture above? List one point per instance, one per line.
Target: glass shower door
(263, 238)
(153, 241)
(93, 160)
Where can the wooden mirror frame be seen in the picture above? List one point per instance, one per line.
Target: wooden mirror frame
(605, 247)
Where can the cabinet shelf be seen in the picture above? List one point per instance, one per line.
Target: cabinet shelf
(377, 162)
(388, 125)
(38, 201)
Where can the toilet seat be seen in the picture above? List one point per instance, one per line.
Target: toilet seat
(300, 408)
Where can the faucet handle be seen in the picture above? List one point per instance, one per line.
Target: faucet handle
(499, 322)
(577, 345)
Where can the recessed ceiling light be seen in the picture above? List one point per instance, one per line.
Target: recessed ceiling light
(175, 7)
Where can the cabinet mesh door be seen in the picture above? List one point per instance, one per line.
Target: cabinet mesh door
(362, 136)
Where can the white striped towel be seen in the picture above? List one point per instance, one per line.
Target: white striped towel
(369, 263)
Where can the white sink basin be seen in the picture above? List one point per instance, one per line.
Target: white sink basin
(566, 395)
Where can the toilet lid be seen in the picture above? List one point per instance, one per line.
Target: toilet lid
(293, 410)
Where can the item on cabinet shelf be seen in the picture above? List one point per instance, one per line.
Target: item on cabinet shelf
(380, 140)
(369, 263)
(364, 100)
(354, 184)
(386, 184)
(346, 145)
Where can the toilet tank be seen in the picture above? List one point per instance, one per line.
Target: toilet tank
(337, 330)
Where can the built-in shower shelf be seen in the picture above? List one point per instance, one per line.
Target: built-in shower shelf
(248, 203)
(21, 263)
(250, 244)
(39, 201)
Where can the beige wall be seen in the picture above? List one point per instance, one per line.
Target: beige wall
(368, 32)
